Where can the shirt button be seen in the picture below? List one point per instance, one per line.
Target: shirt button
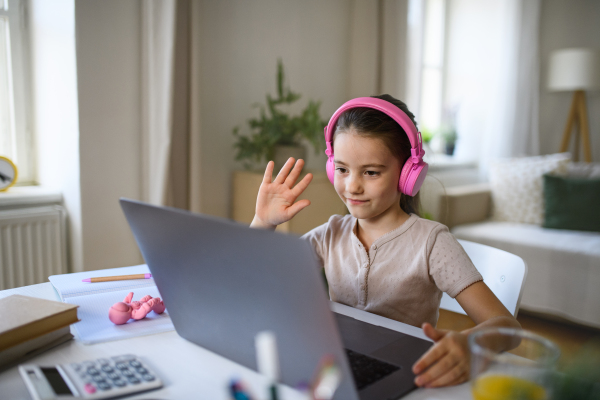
(374, 247)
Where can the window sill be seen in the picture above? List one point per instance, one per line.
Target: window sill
(29, 196)
(442, 162)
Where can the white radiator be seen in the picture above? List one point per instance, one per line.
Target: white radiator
(32, 245)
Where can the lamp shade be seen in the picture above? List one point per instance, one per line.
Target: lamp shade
(574, 69)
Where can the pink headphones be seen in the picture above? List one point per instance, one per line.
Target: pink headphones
(414, 170)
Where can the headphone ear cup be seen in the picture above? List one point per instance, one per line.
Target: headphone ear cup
(330, 168)
(411, 178)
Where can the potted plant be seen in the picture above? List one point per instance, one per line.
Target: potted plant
(449, 135)
(448, 130)
(277, 135)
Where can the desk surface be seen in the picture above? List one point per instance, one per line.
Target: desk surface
(188, 371)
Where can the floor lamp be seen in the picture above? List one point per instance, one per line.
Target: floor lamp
(575, 70)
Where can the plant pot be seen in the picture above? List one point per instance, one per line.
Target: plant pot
(283, 153)
(449, 150)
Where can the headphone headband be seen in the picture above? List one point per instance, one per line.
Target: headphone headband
(385, 107)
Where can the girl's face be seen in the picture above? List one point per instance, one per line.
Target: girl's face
(366, 176)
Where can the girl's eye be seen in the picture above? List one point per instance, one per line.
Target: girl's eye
(340, 169)
(372, 173)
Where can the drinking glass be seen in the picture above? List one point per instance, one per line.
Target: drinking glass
(511, 364)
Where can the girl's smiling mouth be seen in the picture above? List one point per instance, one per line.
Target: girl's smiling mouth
(356, 202)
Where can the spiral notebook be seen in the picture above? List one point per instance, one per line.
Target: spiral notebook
(94, 300)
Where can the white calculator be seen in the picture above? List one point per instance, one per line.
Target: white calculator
(103, 378)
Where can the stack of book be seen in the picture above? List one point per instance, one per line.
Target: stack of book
(29, 326)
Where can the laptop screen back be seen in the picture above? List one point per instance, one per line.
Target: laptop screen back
(223, 283)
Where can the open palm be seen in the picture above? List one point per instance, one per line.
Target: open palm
(276, 202)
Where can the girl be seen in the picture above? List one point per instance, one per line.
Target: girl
(382, 257)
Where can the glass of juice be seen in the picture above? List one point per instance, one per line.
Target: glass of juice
(511, 364)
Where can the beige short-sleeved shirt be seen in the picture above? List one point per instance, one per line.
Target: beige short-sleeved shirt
(403, 275)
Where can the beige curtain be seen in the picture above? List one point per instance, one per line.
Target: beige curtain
(170, 103)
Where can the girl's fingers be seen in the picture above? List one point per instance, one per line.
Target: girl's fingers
(302, 185)
(297, 207)
(430, 357)
(449, 376)
(438, 370)
(433, 333)
(291, 179)
(460, 379)
(268, 172)
(285, 170)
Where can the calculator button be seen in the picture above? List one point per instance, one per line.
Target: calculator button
(135, 363)
(134, 380)
(127, 373)
(147, 377)
(92, 371)
(104, 385)
(76, 367)
(119, 382)
(89, 364)
(113, 375)
(98, 378)
(107, 368)
(122, 365)
(103, 361)
(141, 371)
(89, 388)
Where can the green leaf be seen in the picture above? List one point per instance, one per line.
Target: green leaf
(280, 77)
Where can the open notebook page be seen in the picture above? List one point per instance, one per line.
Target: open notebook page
(69, 285)
(95, 327)
(94, 300)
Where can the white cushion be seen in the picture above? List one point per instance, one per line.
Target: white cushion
(517, 186)
(563, 266)
(583, 170)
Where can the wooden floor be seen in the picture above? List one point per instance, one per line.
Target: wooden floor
(569, 337)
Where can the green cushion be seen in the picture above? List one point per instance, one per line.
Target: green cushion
(572, 203)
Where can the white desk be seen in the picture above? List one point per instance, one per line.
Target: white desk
(187, 370)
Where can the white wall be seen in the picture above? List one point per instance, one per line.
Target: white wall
(573, 23)
(108, 77)
(241, 41)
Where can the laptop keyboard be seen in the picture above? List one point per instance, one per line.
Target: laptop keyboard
(367, 370)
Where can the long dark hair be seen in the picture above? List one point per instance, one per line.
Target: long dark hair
(375, 124)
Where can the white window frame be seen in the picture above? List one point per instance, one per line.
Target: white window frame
(432, 117)
(23, 146)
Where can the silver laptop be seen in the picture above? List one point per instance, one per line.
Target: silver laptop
(223, 282)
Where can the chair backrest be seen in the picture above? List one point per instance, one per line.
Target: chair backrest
(503, 272)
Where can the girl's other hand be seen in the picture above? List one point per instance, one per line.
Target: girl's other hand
(276, 202)
(447, 362)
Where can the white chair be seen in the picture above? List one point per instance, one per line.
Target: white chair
(503, 272)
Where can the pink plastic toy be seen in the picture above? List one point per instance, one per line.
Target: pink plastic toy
(123, 311)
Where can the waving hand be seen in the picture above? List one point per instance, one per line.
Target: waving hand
(276, 202)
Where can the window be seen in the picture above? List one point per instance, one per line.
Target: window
(16, 139)
(432, 73)
(427, 72)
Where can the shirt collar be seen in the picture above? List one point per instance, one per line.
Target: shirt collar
(394, 233)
